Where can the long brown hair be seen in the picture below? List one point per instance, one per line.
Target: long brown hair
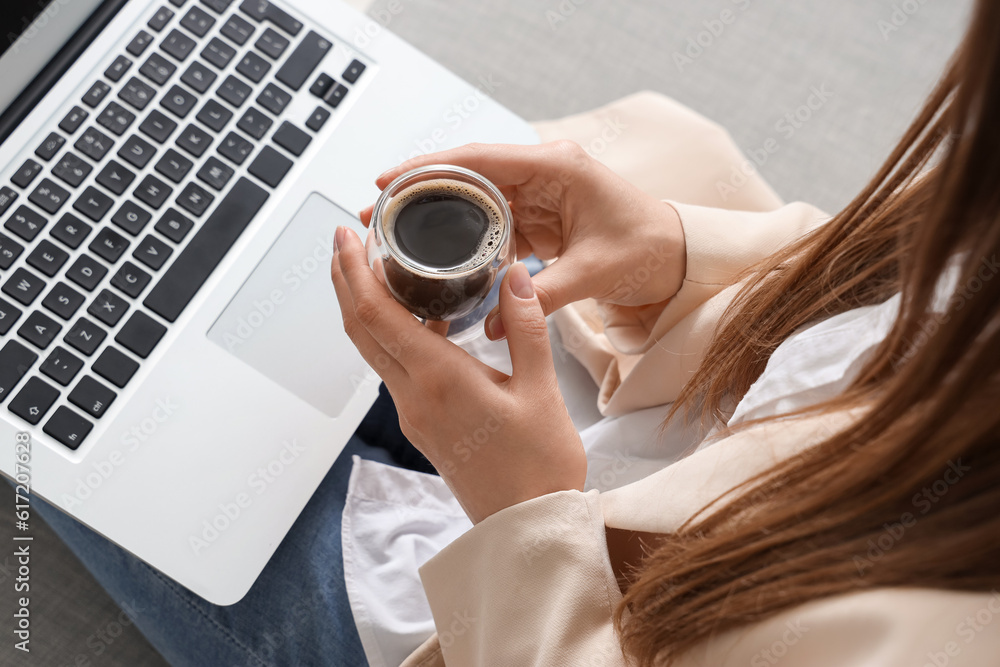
(925, 454)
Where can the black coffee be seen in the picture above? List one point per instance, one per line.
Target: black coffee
(441, 230)
(451, 229)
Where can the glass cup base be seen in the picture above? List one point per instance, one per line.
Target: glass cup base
(470, 327)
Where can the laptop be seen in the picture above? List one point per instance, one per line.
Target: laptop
(171, 176)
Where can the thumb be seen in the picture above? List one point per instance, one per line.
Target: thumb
(560, 283)
(525, 326)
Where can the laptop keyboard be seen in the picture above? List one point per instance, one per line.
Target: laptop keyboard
(132, 200)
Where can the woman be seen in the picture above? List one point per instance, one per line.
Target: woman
(860, 529)
(844, 510)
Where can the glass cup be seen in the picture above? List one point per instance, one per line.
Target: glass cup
(460, 295)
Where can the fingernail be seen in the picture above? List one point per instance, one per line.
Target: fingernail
(520, 281)
(384, 174)
(495, 327)
(338, 239)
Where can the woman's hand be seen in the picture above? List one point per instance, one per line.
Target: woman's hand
(496, 440)
(614, 242)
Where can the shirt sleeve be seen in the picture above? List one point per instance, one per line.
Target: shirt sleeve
(530, 585)
(640, 358)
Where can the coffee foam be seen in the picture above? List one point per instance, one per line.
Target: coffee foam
(491, 239)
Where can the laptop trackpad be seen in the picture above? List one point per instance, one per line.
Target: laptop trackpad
(285, 322)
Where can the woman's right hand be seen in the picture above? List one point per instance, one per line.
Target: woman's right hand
(615, 243)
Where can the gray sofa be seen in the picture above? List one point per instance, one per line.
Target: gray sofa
(850, 74)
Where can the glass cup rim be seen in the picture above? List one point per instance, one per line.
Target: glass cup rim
(479, 181)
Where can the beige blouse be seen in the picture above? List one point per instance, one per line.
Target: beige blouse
(533, 584)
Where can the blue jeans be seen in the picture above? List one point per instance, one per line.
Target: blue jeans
(296, 613)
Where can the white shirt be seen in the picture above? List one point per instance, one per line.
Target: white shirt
(395, 520)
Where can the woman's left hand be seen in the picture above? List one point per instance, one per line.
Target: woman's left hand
(496, 440)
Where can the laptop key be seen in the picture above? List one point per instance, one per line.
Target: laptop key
(93, 203)
(303, 60)
(10, 250)
(178, 102)
(63, 300)
(153, 191)
(26, 174)
(272, 44)
(237, 29)
(61, 365)
(24, 286)
(137, 151)
(130, 279)
(157, 69)
(140, 334)
(198, 21)
(116, 118)
(270, 166)
(67, 427)
(71, 230)
(85, 336)
(174, 225)
(108, 307)
(291, 138)
(217, 6)
(109, 245)
(255, 122)
(157, 126)
(86, 272)
(95, 95)
(39, 329)
(318, 119)
(152, 252)
(139, 43)
(174, 166)
(323, 83)
(115, 177)
(214, 115)
(274, 98)
(8, 316)
(91, 396)
(353, 71)
(261, 10)
(94, 144)
(235, 148)
(199, 77)
(115, 366)
(131, 217)
(47, 258)
(178, 45)
(34, 400)
(253, 67)
(194, 140)
(72, 169)
(48, 196)
(7, 197)
(235, 91)
(195, 199)
(117, 69)
(215, 173)
(160, 19)
(137, 94)
(205, 250)
(48, 148)
(178, 3)
(218, 53)
(25, 223)
(335, 95)
(72, 121)
(15, 360)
